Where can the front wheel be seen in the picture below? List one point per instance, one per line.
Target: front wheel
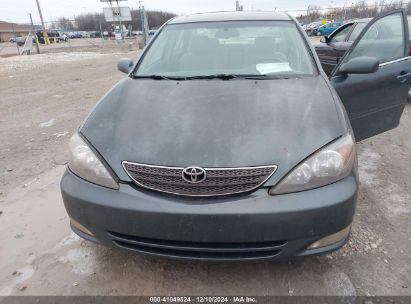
(318, 34)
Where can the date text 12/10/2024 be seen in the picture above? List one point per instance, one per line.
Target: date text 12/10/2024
(203, 299)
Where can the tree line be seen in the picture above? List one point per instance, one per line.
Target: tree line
(93, 21)
(356, 10)
(360, 9)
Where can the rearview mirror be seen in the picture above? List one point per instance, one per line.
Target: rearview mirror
(227, 33)
(324, 39)
(124, 65)
(360, 65)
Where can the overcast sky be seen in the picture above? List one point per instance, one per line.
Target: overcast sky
(18, 10)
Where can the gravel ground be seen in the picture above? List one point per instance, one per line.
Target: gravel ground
(84, 44)
(44, 98)
(26, 63)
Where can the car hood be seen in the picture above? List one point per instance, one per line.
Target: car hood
(214, 123)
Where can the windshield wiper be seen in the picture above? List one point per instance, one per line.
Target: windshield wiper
(214, 76)
(162, 77)
(232, 76)
(265, 77)
(157, 77)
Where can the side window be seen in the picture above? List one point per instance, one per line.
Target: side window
(356, 31)
(384, 40)
(341, 34)
(372, 33)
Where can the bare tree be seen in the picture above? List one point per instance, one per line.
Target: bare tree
(360, 9)
(313, 13)
(63, 24)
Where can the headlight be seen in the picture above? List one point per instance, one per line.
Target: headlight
(330, 164)
(84, 163)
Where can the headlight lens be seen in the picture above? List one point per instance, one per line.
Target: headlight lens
(330, 164)
(84, 163)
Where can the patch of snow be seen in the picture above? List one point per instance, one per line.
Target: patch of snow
(47, 123)
(81, 260)
(340, 284)
(68, 240)
(369, 161)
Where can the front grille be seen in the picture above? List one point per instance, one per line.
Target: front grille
(198, 250)
(219, 181)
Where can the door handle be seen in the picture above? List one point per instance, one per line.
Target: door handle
(403, 75)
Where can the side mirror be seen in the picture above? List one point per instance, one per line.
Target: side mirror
(360, 65)
(124, 65)
(325, 39)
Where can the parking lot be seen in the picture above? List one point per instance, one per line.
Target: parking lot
(44, 98)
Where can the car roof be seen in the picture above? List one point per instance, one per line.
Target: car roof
(366, 20)
(360, 20)
(231, 16)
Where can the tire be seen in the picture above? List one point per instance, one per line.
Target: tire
(318, 34)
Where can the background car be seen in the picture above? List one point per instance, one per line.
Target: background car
(75, 35)
(311, 27)
(85, 34)
(152, 31)
(95, 35)
(63, 36)
(326, 29)
(18, 39)
(53, 35)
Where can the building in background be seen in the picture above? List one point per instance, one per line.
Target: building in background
(10, 30)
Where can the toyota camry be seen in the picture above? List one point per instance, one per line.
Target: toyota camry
(227, 141)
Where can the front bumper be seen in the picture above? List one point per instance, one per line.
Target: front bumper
(247, 227)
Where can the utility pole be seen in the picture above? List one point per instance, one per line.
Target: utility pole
(238, 6)
(41, 15)
(101, 33)
(15, 38)
(35, 35)
(345, 10)
(116, 15)
(119, 20)
(143, 23)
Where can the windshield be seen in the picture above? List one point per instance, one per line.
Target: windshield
(227, 48)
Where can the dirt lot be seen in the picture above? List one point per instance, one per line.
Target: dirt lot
(44, 98)
(8, 49)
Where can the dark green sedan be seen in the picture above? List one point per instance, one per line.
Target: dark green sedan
(227, 141)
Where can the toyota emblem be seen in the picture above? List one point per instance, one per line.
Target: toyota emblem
(194, 175)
